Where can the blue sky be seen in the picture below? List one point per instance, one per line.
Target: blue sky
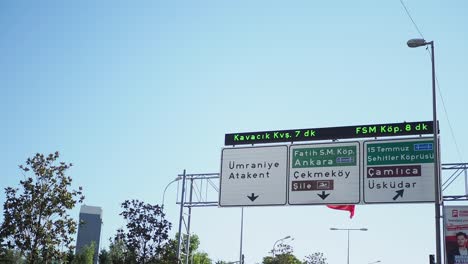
(133, 93)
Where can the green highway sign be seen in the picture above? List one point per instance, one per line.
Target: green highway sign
(399, 171)
(327, 173)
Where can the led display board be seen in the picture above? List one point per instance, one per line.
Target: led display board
(311, 134)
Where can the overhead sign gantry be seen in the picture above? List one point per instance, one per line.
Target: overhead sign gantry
(350, 172)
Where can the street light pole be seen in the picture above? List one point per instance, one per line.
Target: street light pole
(165, 189)
(181, 217)
(348, 247)
(414, 43)
(348, 230)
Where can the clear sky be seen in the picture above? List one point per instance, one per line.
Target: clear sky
(134, 92)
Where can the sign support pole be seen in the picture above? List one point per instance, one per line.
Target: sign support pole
(241, 234)
(181, 218)
(436, 160)
(187, 245)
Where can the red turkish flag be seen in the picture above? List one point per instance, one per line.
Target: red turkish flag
(345, 207)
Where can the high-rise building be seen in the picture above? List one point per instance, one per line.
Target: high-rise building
(89, 229)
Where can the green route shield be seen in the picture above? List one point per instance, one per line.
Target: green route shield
(325, 173)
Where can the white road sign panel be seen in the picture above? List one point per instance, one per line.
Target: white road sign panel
(399, 171)
(253, 176)
(326, 173)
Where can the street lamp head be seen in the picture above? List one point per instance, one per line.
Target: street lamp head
(286, 237)
(363, 229)
(414, 43)
(333, 228)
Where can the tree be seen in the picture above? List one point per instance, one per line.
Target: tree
(86, 255)
(169, 254)
(287, 258)
(104, 257)
(147, 230)
(10, 256)
(282, 254)
(36, 221)
(118, 252)
(70, 257)
(201, 258)
(315, 258)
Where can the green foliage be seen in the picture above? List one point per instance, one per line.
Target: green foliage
(86, 254)
(282, 254)
(201, 258)
(193, 245)
(70, 256)
(146, 231)
(104, 257)
(169, 254)
(119, 253)
(10, 256)
(36, 221)
(287, 258)
(315, 258)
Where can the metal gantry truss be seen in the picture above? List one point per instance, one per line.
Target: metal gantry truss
(205, 187)
(456, 170)
(202, 190)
